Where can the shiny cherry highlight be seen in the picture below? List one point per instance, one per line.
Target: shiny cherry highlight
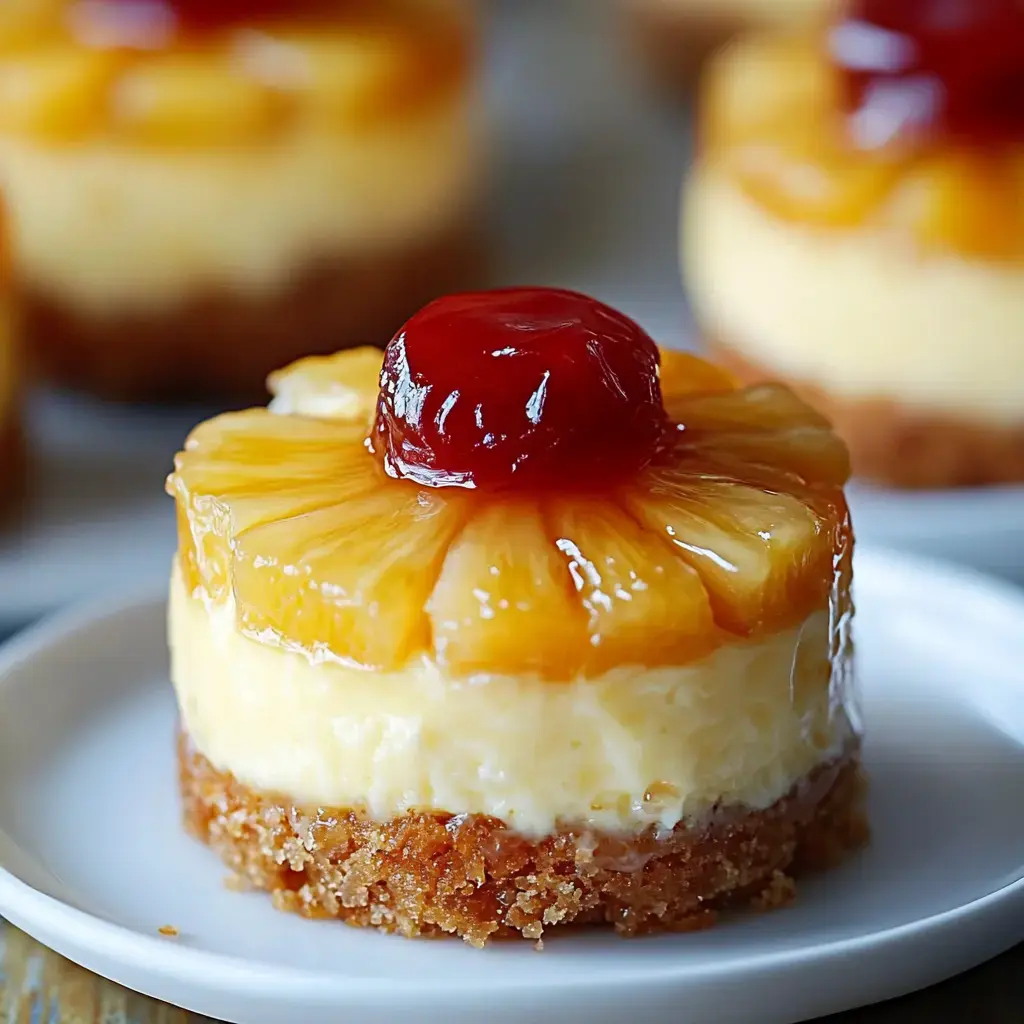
(191, 17)
(947, 68)
(518, 387)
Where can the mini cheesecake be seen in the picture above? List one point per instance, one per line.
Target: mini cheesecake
(675, 37)
(204, 190)
(860, 235)
(530, 626)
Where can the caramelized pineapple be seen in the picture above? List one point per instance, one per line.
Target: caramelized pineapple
(332, 387)
(626, 548)
(56, 93)
(190, 99)
(963, 202)
(202, 75)
(778, 117)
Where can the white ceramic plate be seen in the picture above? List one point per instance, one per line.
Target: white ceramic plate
(586, 191)
(92, 861)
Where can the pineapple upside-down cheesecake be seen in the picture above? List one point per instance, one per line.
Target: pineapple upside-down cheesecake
(204, 190)
(855, 227)
(519, 630)
(676, 37)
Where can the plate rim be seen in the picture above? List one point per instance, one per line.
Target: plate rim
(37, 912)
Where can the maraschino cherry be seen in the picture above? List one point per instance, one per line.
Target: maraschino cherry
(952, 68)
(518, 387)
(151, 23)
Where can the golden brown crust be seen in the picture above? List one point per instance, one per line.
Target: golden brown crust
(432, 873)
(901, 446)
(674, 44)
(223, 346)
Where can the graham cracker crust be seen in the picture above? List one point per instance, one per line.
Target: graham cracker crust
(901, 446)
(431, 873)
(674, 44)
(222, 346)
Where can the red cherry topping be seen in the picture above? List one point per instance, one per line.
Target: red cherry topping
(150, 24)
(953, 68)
(518, 387)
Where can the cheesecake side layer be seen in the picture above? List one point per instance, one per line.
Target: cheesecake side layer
(223, 343)
(631, 749)
(429, 873)
(898, 445)
(106, 229)
(862, 316)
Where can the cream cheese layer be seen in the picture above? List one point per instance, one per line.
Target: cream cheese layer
(632, 748)
(860, 313)
(106, 227)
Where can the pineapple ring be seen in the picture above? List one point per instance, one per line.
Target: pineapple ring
(238, 87)
(735, 530)
(773, 119)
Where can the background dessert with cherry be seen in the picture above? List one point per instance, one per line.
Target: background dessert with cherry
(855, 226)
(535, 625)
(202, 191)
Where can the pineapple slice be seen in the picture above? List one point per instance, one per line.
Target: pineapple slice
(764, 557)
(192, 99)
(347, 73)
(683, 373)
(806, 172)
(964, 203)
(26, 22)
(760, 83)
(342, 386)
(242, 469)
(56, 93)
(639, 596)
(760, 433)
(349, 581)
(505, 597)
(736, 529)
(761, 408)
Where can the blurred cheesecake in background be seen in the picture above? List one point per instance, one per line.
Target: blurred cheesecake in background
(855, 227)
(675, 37)
(202, 190)
(12, 442)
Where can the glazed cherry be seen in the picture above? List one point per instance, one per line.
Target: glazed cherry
(531, 387)
(949, 68)
(149, 24)
(204, 15)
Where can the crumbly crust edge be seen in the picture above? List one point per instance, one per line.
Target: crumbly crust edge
(432, 873)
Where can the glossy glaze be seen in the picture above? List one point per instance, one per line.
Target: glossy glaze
(145, 23)
(948, 68)
(518, 387)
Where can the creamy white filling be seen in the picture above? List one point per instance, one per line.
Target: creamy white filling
(108, 228)
(859, 313)
(632, 748)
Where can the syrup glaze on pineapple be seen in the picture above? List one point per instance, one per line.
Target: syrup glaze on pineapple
(949, 68)
(520, 387)
(153, 22)
(724, 517)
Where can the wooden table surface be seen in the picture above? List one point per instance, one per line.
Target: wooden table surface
(39, 987)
